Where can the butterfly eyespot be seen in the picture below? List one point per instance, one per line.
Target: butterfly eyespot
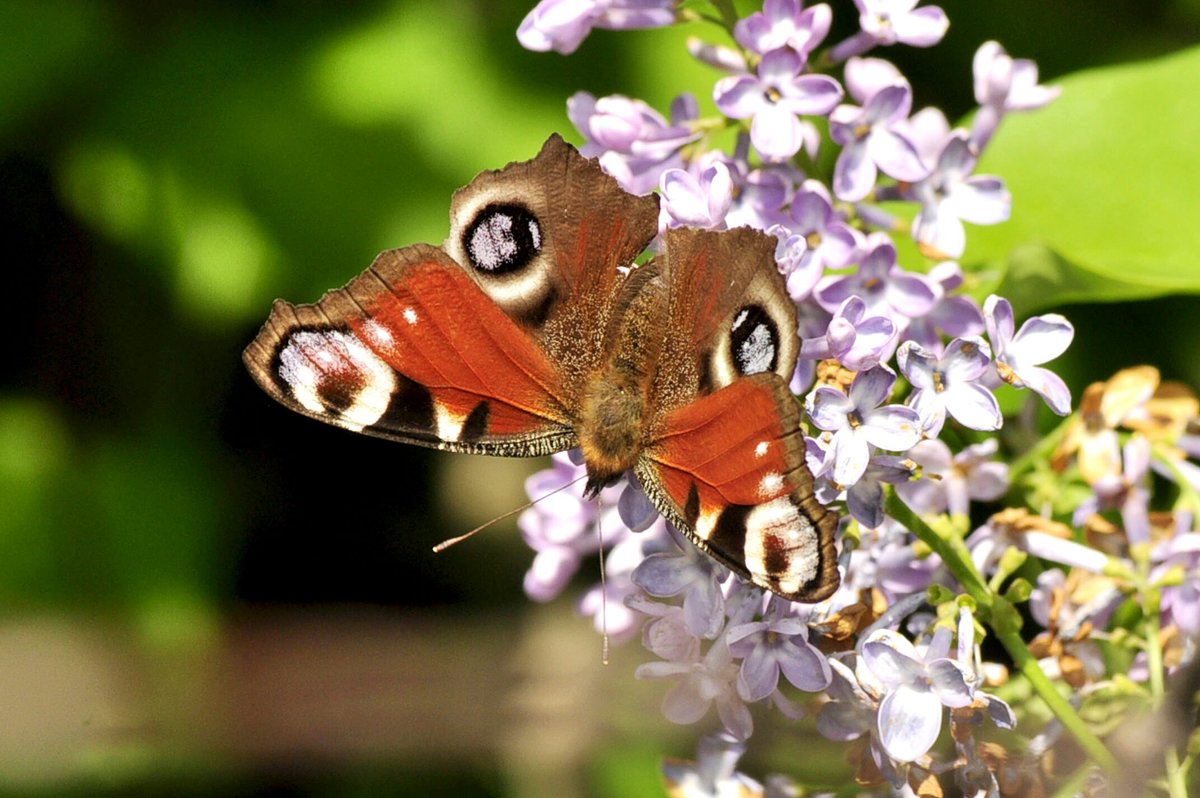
(502, 238)
(754, 343)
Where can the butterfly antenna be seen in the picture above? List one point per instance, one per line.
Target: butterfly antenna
(603, 584)
(445, 544)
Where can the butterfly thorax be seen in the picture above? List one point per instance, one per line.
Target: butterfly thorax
(616, 397)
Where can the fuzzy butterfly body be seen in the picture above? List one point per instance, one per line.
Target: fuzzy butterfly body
(528, 333)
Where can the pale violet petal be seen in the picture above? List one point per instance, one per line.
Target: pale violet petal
(739, 97)
(811, 95)
(950, 682)
(894, 427)
(974, 406)
(776, 132)
(998, 315)
(829, 408)
(909, 723)
(866, 76)
(759, 674)
(1050, 386)
(896, 155)
(851, 455)
(1042, 338)
(684, 702)
(891, 659)
(871, 388)
(981, 199)
(922, 27)
(854, 174)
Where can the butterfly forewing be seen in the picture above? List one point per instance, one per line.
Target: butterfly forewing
(413, 350)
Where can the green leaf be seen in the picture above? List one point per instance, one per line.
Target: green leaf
(1104, 189)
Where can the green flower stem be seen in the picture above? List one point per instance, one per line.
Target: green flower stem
(1005, 623)
(727, 11)
(1176, 784)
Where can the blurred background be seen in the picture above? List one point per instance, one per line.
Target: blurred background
(203, 593)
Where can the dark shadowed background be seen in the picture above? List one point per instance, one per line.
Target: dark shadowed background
(203, 593)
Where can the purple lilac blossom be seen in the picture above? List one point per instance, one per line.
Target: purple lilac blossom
(1127, 492)
(864, 498)
(949, 482)
(858, 422)
(774, 97)
(870, 141)
(950, 384)
(951, 195)
(956, 316)
(916, 687)
(634, 143)
(784, 23)
(665, 634)
(1002, 84)
(696, 200)
(892, 21)
(703, 681)
(1181, 601)
(858, 341)
(886, 288)
(759, 195)
(1018, 357)
(714, 773)
(813, 238)
(691, 573)
(562, 25)
(777, 644)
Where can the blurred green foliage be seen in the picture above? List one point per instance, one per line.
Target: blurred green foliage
(169, 169)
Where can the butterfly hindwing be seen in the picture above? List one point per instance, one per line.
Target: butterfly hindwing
(729, 471)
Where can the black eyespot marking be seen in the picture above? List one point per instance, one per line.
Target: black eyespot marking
(755, 341)
(502, 238)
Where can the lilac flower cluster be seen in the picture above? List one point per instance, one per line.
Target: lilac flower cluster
(899, 371)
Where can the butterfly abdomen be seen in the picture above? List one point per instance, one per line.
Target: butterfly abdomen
(612, 408)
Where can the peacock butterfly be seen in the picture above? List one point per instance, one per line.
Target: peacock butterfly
(530, 332)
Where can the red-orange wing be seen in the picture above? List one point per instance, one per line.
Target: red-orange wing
(415, 351)
(728, 470)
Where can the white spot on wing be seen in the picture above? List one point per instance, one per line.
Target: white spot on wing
(410, 316)
(770, 485)
(779, 526)
(449, 426)
(706, 524)
(379, 336)
(761, 448)
(321, 365)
